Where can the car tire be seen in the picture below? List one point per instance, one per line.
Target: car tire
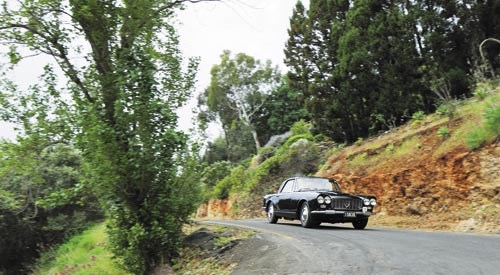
(271, 216)
(360, 224)
(306, 219)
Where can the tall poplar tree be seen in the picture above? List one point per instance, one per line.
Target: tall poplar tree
(124, 94)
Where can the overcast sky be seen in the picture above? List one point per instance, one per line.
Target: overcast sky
(255, 27)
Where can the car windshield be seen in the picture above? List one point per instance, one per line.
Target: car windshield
(316, 184)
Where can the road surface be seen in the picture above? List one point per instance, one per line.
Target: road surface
(287, 248)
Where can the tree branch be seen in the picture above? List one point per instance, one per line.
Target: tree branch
(68, 67)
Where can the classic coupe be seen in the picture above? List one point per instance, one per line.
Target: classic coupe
(314, 200)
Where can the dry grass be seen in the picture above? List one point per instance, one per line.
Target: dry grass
(193, 261)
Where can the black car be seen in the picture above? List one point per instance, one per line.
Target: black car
(314, 200)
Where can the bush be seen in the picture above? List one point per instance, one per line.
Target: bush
(481, 91)
(300, 127)
(447, 109)
(492, 116)
(56, 205)
(444, 132)
(418, 116)
(291, 140)
(476, 138)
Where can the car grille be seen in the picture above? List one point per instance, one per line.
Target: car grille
(347, 204)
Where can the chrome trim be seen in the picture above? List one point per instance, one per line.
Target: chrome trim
(332, 212)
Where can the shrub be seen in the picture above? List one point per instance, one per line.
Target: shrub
(447, 109)
(359, 141)
(300, 127)
(418, 116)
(476, 138)
(291, 140)
(444, 132)
(492, 116)
(481, 91)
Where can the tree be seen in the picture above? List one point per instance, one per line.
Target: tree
(42, 199)
(239, 87)
(123, 101)
(297, 50)
(283, 108)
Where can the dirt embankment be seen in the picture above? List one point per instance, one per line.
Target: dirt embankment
(419, 188)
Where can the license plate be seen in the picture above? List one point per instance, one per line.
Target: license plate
(350, 214)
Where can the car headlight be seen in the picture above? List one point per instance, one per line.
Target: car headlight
(366, 202)
(328, 200)
(321, 200)
(373, 202)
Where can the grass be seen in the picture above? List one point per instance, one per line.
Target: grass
(475, 130)
(391, 151)
(87, 254)
(83, 254)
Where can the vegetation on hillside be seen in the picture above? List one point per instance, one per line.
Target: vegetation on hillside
(427, 167)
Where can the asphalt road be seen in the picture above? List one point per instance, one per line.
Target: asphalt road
(287, 248)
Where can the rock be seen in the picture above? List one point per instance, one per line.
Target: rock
(467, 225)
(414, 209)
(277, 140)
(202, 238)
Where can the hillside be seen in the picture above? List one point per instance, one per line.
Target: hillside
(440, 171)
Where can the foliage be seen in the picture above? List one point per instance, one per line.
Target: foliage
(418, 116)
(300, 127)
(223, 187)
(481, 90)
(239, 87)
(298, 155)
(42, 200)
(85, 253)
(363, 66)
(476, 138)
(212, 174)
(118, 108)
(492, 119)
(280, 111)
(443, 132)
(447, 108)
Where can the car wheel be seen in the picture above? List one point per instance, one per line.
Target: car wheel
(306, 219)
(360, 224)
(271, 217)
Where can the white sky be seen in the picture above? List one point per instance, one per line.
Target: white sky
(255, 27)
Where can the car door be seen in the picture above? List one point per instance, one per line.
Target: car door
(295, 198)
(285, 196)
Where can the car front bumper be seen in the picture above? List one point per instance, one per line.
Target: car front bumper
(341, 212)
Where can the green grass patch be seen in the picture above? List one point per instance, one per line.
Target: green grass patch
(481, 125)
(359, 159)
(407, 147)
(83, 254)
(391, 151)
(477, 138)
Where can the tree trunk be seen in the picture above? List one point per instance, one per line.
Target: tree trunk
(256, 139)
